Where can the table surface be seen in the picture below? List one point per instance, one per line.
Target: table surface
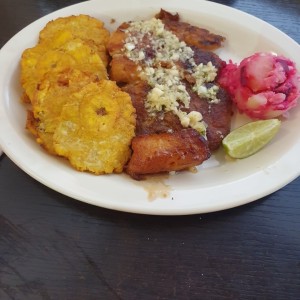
(54, 247)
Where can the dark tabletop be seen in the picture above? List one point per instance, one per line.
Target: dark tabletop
(54, 247)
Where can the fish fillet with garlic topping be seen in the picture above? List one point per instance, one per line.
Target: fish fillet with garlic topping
(172, 84)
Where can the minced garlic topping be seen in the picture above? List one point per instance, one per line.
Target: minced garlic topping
(157, 49)
(167, 89)
(151, 33)
(205, 74)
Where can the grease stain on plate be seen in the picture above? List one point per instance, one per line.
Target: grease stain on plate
(156, 187)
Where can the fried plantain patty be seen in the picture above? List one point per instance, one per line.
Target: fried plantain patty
(76, 112)
(96, 128)
(49, 99)
(40, 61)
(84, 27)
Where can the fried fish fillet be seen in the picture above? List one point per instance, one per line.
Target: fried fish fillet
(39, 61)
(123, 70)
(193, 36)
(217, 116)
(165, 152)
(96, 128)
(84, 27)
(149, 124)
(140, 48)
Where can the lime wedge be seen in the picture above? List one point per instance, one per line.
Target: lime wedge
(248, 139)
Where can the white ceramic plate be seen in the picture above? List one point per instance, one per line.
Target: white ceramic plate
(219, 184)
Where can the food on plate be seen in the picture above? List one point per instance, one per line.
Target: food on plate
(193, 36)
(86, 28)
(76, 112)
(40, 61)
(95, 128)
(263, 85)
(50, 97)
(217, 118)
(250, 138)
(59, 50)
(154, 153)
(150, 97)
(171, 78)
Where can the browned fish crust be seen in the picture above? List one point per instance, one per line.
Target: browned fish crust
(191, 35)
(217, 116)
(165, 152)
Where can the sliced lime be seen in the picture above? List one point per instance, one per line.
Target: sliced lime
(248, 139)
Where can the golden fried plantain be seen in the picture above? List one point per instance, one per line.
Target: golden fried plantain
(39, 61)
(49, 99)
(96, 128)
(76, 113)
(63, 36)
(43, 138)
(85, 27)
